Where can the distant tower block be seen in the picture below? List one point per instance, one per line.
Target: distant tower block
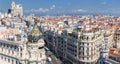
(16, 10)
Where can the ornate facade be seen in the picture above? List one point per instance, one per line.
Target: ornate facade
(75, 47)
(117, 38)
(31, 52)
(16, 10)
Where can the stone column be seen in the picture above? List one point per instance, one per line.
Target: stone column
(0, 49)
(14, 61)
(19, 51)
(10, 61)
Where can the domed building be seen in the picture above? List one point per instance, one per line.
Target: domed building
(35, 34)
(22, 52)
(35, 46)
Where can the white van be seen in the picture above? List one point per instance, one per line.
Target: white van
(49, 59)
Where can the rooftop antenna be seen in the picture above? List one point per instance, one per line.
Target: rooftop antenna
(13, 1)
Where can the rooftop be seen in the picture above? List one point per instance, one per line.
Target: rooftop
(115, 51)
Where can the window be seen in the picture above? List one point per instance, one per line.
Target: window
(92, 57)
(2, 49)
(83, 58)
(87, 53)
(8, 60)
(16, 62)
(83, 53)
(79, 53)
(1, 57)
(91, 43)
(75, 50)
(83, 43)
(87, 44)
(12, 61)
(12, 52)
(83, 48)
(75, 55)
(40, 55)
(20, 54)
(87, 58)
(8, 51)
(87, 50)
(5, 58)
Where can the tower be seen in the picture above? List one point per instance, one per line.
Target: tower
(35, 46)
(13, 5)
(16, 9)
(35, 34)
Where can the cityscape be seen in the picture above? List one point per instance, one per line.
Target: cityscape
(59, 32)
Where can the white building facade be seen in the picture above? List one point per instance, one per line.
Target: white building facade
(75, 46)
(16, 10)
(24, 52)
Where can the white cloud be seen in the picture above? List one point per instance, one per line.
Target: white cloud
(53, 6)
(43, 10)
(81, 10)
(40, 10)
(104, 3)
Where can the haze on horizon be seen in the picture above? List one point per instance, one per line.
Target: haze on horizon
(51, 7)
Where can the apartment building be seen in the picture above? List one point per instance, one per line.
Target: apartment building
(76, 45)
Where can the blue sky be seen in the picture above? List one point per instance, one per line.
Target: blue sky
(65, 6)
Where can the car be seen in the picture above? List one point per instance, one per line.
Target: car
(49, 59)
(47, 49)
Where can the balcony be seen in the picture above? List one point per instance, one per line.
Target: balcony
(89, 37)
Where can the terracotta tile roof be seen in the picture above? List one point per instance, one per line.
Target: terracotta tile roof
(114, 51)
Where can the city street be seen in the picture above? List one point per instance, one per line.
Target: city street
(54, 60)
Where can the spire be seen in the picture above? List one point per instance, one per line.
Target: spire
(35, 34)
(13, 4)
(13, 1)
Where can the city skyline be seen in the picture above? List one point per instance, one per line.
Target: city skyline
(51, 7)
(59, 32)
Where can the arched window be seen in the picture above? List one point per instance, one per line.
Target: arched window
(40, 55)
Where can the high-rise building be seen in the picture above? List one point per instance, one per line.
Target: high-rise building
(16, 9)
